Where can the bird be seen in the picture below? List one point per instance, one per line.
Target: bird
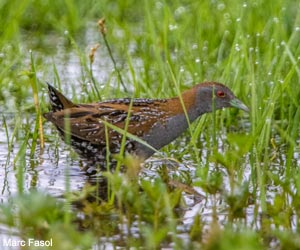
(95, 130)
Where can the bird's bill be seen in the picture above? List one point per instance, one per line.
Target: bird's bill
(236, 103)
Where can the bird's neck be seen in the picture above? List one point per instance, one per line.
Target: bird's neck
(185, 105)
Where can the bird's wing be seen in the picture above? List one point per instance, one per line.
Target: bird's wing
(86, 121)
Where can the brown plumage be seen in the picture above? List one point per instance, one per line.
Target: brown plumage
(156, 121)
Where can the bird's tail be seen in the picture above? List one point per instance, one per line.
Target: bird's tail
(57, 100)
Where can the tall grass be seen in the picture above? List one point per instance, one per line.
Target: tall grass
(246, 165)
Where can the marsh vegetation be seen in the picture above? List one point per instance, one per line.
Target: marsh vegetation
(232, 181)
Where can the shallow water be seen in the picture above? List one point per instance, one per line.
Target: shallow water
(48, 169)
(43, 172)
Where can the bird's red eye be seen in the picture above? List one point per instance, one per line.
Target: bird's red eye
(220, 93)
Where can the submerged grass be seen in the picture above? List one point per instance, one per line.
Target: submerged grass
(247, 166)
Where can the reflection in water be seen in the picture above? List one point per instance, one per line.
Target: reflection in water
(125, 217)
